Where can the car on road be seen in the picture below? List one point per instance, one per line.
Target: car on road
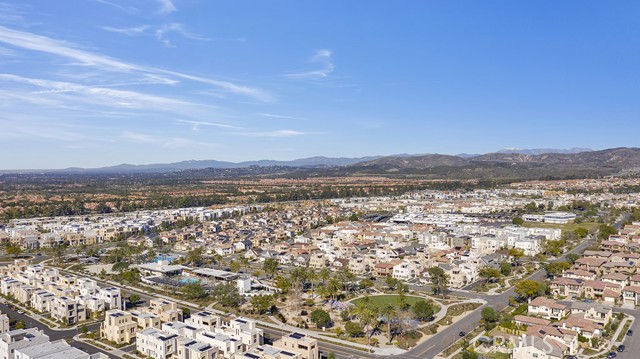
(570, 357)
(629, 332)
(612, 355)
(462, 334)
(20, 312)
(621, 348)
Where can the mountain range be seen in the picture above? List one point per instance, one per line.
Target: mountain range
(506, 163)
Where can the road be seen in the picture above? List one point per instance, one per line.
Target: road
(55, 334)
(630, 342)
(439, 342)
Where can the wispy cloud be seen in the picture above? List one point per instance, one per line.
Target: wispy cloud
(195, 125)
(63, 49)
(99, 95)
(278, 133)
(129, 31)
(282, 117)
(166, 7)
(162, 34)
(320, 57)
(127, 9)
(163, 141)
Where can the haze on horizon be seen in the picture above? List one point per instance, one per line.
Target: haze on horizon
(101, 82)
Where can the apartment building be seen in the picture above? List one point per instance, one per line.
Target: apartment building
(67, 311)
(227, 345)
(166, 310)
(155, 343)
(192, 349)
(204, 320)
(299, 343)
(145, 320)
(118, 326)
(112, 297)
(269, 352)
(19, 339)
(59, 349)
(41, 301)
(245, 330)
(4, 323)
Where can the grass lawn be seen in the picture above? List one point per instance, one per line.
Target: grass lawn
(569, 227)
(382, 301)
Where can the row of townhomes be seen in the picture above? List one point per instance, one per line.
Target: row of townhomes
(584, 298)
(66, 298)
(33, 343)
(204, 335)
(610, 275)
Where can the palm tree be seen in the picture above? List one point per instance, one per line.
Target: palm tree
(333, 288)
(324, 275)
(389, 312)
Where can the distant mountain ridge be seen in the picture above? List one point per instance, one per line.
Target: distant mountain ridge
(318, 161)
(541, 151)
(506, 163)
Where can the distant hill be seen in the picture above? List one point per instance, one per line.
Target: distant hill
(318, 161)
(540, 151)
(504, 165)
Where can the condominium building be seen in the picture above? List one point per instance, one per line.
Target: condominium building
(193, 349)
(204, 320)
(67, 311)
(18, 339)
(155, 343)
(299, 343)
(118, 326)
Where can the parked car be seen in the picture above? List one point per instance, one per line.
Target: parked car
(621, 348)
(462, 334)
(629, 332)
(20, 312)
(612, 355)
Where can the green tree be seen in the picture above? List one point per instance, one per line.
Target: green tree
(20, 324)
(270, 267)
(283, 284)
(439, 280)
(227, 295)
(604, 231)
(13, 250)
(134, 299)
(366, 283)
(469, 355)
(423, 310)
(556, 268)
(517, 221)
(528, 289)
(581, 232)
(331, 356)
(488, 273)
(490, 317)
(320, 318)
(353, 329)
(195, 257)
(120, 267)
(516, 253)
(194, 290)
(234, 266)
(505, 269)
(262, 303)
(391, 282)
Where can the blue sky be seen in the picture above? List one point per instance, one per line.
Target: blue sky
(100, 82)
